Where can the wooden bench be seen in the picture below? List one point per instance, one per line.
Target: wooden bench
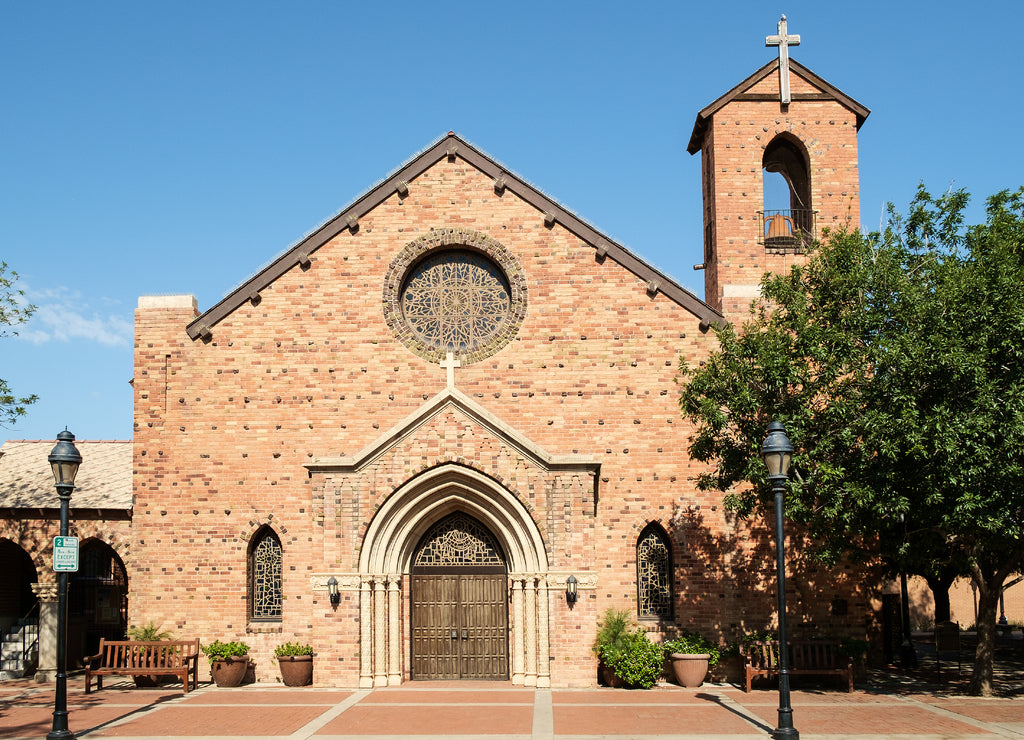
(134, 658)
(806, 658)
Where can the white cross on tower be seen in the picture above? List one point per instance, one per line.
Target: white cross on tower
(449, 363)
(783, 40)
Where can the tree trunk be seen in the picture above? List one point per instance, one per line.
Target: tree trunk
(940, 586)
(988, 602)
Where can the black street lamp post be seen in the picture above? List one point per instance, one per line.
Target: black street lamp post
(64, 459)
(776, 451)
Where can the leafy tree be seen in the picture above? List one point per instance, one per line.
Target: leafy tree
(895, 362)
(13, 311)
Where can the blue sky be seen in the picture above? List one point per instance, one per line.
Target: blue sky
(162, 147)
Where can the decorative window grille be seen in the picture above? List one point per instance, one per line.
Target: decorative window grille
(457, 291)
(265, 560)
(456, 300)
(654, 574)
(458, 541)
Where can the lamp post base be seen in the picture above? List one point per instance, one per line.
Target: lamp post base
(786, 733)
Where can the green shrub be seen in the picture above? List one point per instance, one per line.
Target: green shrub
(641, 662)
(613, 632)
(628, 651)
(149, 632)
(692, 643)
(218, 650)
(758, 636)
(292, 648)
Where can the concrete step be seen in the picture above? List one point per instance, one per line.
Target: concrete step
(13, 666)
(23, 629)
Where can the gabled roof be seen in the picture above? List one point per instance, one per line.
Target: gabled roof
(828, 92)
(452, 146)
(104, 480)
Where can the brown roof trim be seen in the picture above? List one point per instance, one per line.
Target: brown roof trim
(451, 146)
(830, 92)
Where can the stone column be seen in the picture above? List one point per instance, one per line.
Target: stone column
(543, 649)
(380, 634)
(517, 631)
(394, 631)
(47, 595)
(365, 634)
(531, 632)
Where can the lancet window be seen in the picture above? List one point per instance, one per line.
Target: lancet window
(654, 574)
(265, 568)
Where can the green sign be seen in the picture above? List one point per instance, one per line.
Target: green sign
(65, 554)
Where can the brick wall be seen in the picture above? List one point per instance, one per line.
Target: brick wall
(224, 428)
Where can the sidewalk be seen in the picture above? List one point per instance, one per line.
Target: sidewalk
(501, 711)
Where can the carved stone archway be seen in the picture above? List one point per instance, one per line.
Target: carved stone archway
(386, 558)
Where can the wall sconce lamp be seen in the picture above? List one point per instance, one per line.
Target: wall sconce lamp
(332, 589)
(571, 585)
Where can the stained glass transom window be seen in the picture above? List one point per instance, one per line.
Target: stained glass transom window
(265, 578)
(454, 291)
(458, 540)
(456, 300)
(654, 574)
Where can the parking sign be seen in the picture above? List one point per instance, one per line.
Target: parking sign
(65, 554)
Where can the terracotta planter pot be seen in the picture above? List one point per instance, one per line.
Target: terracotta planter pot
(690, 670)
(296, 670)
(606, 677)
(229, 672)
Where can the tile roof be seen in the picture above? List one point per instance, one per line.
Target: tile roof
(104, 480)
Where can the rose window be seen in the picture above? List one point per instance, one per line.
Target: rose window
(455, 301)
(455, 291)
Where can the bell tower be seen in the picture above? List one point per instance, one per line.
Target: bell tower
(778, 165)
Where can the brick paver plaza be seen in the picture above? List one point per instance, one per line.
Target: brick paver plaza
(498, 710)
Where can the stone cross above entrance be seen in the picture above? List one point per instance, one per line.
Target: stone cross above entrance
(783, 40)
(449, 363)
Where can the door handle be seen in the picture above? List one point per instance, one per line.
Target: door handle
(465, 634)
(455, 634)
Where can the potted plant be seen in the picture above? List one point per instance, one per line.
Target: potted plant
(627, 655)
(229, 662)
(612, 634)
(296, 663)
(691, 656)
(148, 632)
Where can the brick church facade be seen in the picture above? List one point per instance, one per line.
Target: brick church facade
(455, 398)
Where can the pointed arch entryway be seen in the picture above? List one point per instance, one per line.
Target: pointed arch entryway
(406, 523)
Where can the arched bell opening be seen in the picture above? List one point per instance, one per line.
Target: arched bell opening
(787, 215)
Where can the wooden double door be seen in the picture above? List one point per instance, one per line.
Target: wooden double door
(459, 622)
